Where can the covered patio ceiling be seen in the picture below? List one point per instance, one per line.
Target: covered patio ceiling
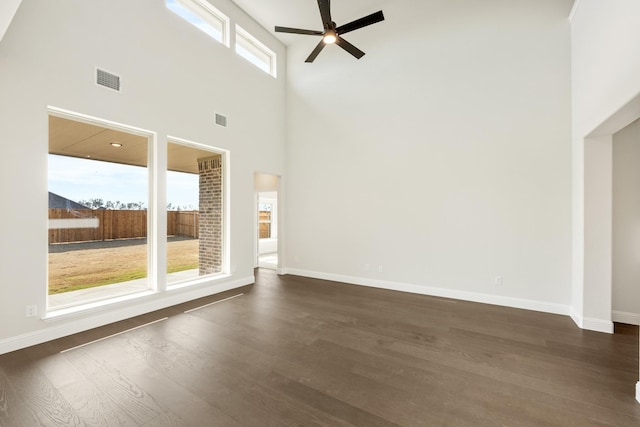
(89, 141)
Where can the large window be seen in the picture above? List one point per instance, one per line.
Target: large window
(98, 206)
(194, 211)
(104, 240)
(204, 16)
(255, 52)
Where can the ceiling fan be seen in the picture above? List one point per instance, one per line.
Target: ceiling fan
(333, 34)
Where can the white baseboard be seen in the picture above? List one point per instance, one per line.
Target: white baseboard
(590, 324)
(577, 318)
(598, 325)
(638, 391)
(55, 329)
(626, 317)
(526, 304)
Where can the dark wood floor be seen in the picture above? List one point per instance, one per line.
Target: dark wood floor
(297, 351)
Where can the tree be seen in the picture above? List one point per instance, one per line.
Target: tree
(93, 203)
(97, 203)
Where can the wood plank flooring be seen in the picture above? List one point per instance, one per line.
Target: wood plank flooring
(305, 352)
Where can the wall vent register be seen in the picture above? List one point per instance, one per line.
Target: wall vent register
(107, 79)
(221, 120)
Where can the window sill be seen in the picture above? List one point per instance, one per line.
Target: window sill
(201, 280)
(94, 306)
(76, 310)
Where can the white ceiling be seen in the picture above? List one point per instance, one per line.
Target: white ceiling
(286, 13)
(305, 14)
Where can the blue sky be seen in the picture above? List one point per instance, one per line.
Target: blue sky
(82, 179)
(194, 19)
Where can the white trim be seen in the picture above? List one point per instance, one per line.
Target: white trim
(625, 317)
(597, 325)
(577, 318)
(638, 391)
(226, 195)
(152, 186)
(78, 310)
(546, 307)
(248, 42)
(574, 9)
(197, 145)
(116, 313)
(79, 117)
(208, 13)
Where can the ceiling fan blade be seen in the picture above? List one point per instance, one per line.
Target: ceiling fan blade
(359, 23)
(325, 12)
(316, 51)
(298, 31)
(349, 47)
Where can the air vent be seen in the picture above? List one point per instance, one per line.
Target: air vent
(221, 120)
(106, 79)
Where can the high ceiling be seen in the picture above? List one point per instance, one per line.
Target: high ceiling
(287, 13)
(304, 13)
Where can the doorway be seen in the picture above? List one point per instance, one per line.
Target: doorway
(266, 188)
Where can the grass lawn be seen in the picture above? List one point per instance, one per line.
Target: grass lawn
(81, 269)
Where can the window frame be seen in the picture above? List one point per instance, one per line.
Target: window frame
(210, 14)
(225, 214)
(152, 211)
(251, 43)
(156, 215)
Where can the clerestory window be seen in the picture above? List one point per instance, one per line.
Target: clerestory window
(204, 16)
(251, 49)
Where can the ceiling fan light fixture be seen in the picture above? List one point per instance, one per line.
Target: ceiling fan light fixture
(332, 34)
(330, 37)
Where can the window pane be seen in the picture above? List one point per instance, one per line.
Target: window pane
(98, 192)
(254, 51)
(194, 212)
(202, 15)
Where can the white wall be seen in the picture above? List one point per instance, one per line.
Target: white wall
(626, 224)
(7, 11)
(605, 96)
(174, 78)
(440, 159)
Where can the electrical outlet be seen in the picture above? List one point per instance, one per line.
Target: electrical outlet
(498, 281)
(380, 269)
(31, 310)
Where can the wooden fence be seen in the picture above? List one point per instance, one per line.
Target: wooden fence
(183, 223)
(84, 225)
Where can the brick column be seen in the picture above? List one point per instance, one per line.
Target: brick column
(210, 253)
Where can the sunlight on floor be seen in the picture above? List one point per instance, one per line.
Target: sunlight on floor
(269, 261)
